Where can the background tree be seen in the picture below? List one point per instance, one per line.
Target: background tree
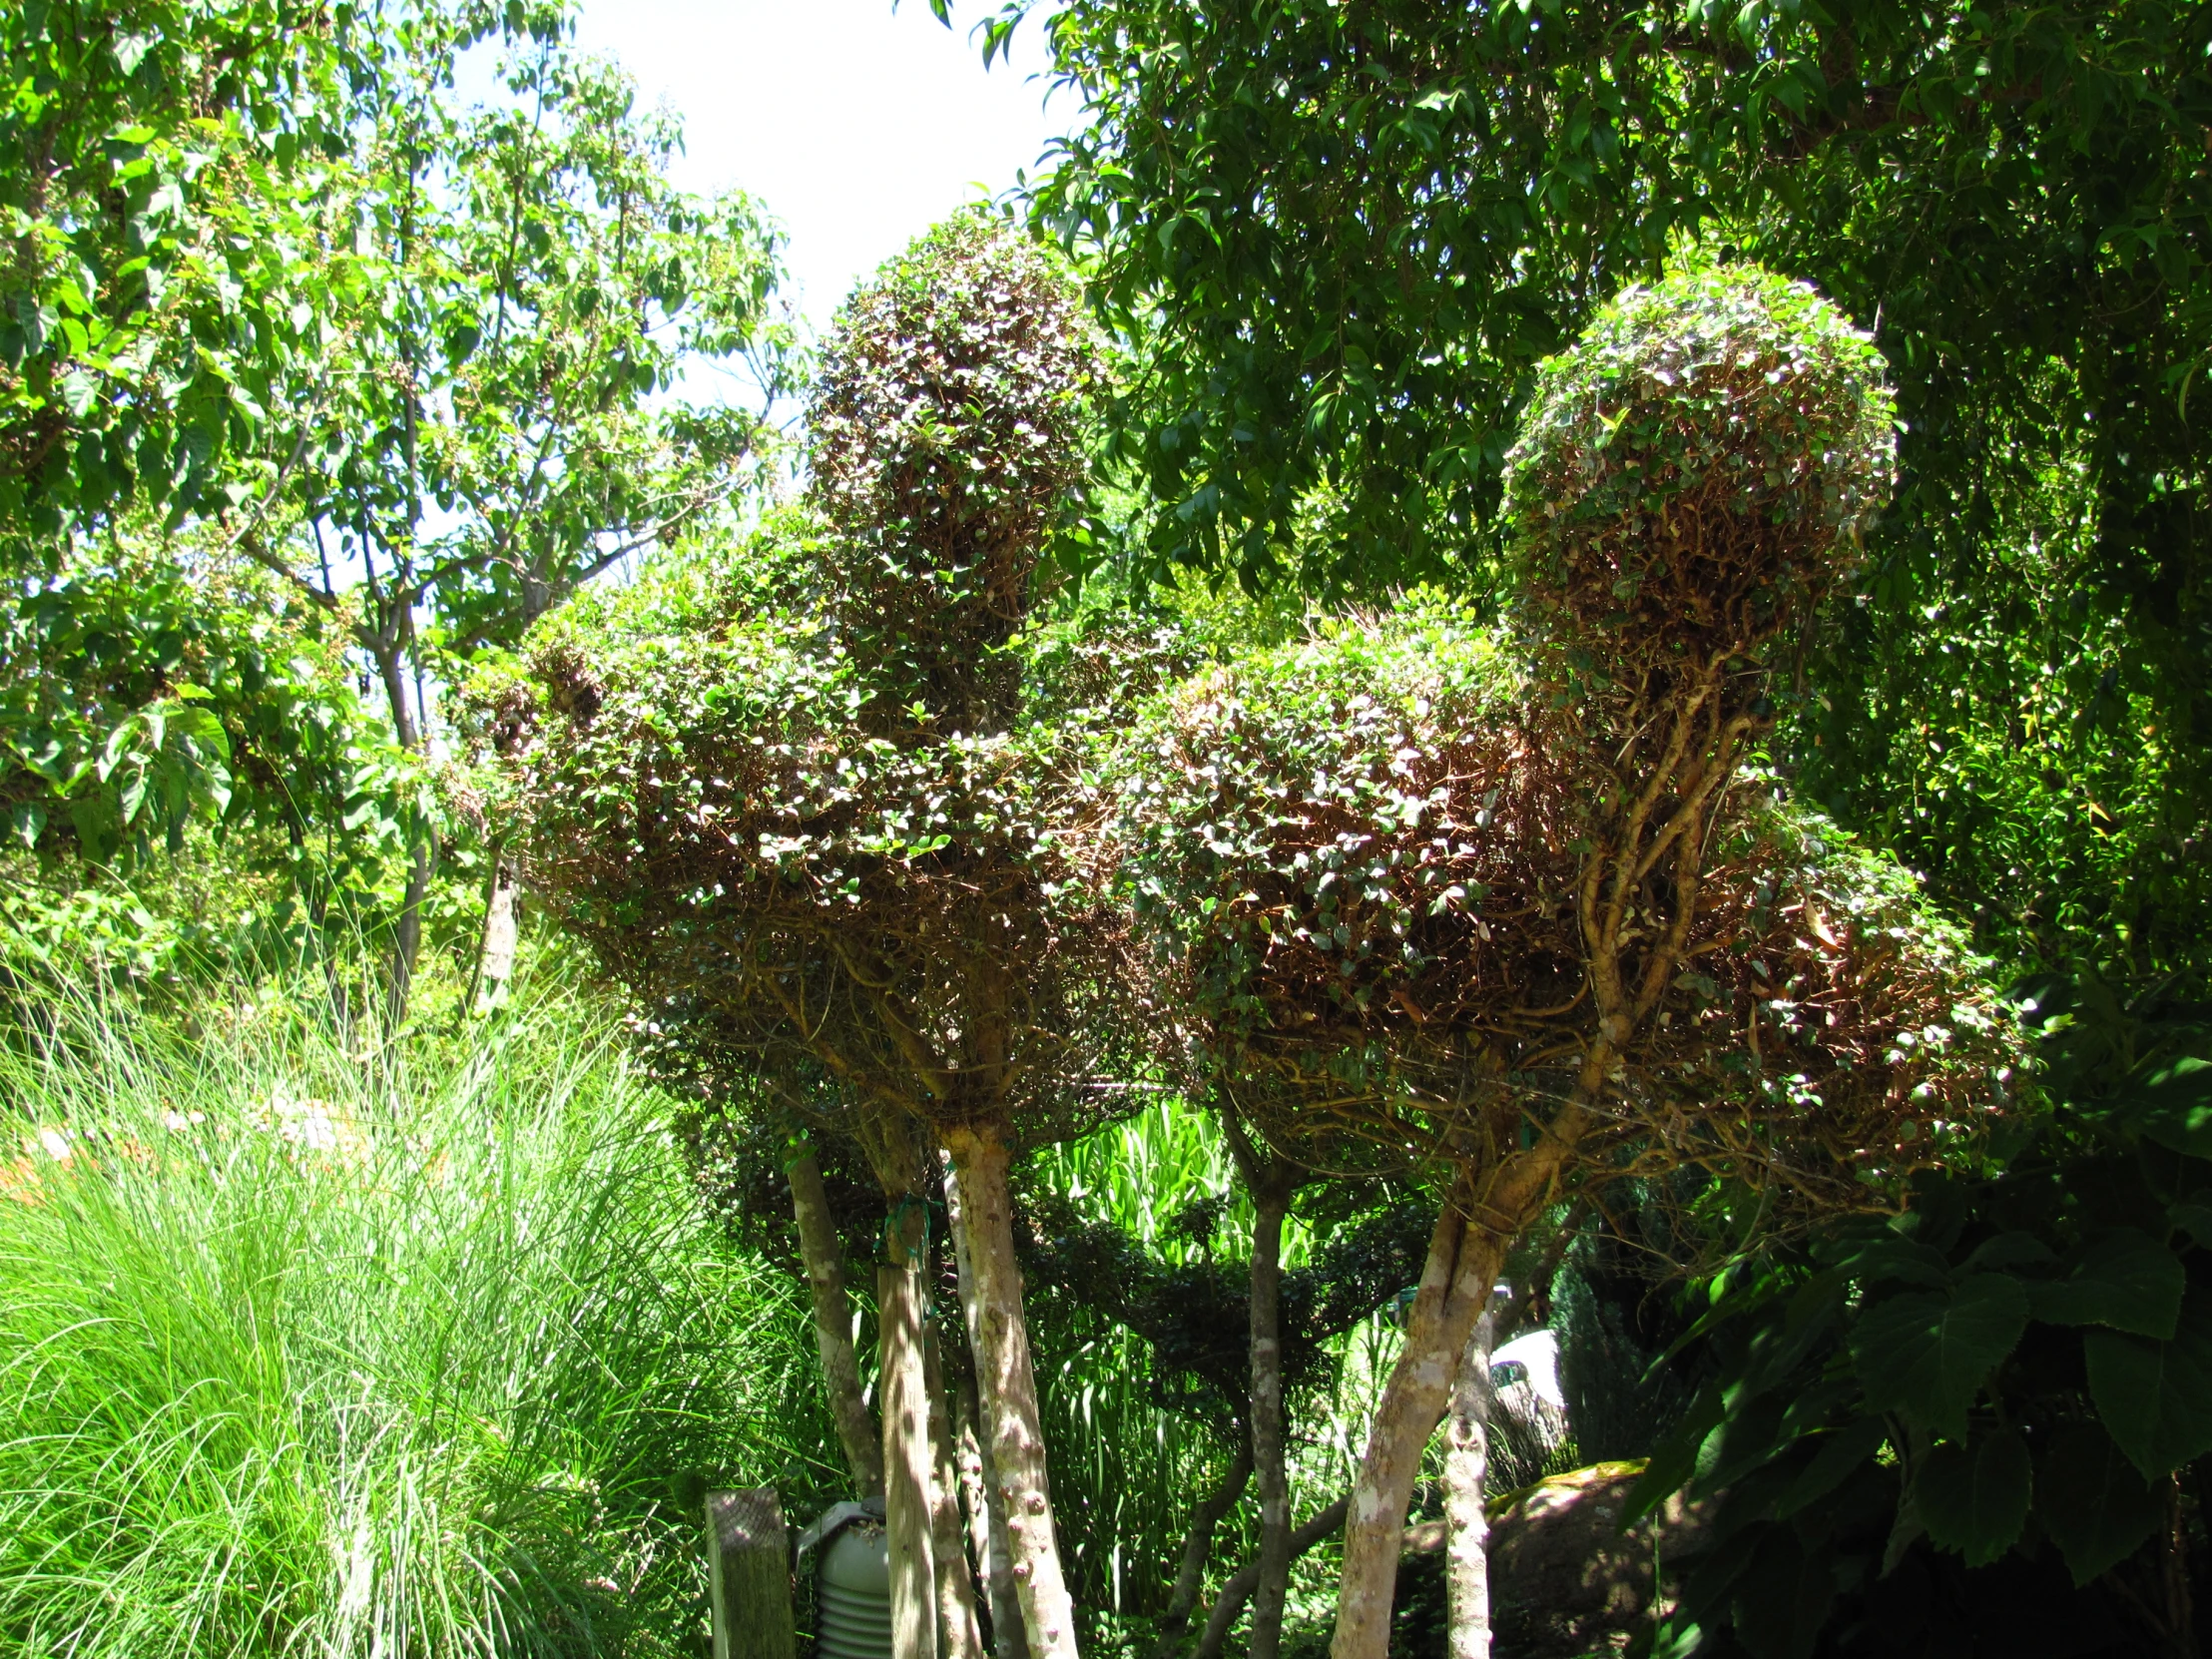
(1511, 905)
(160, 162)
(413, 358)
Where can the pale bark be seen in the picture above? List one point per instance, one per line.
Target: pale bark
(1456, 1287)
(495, 955)
(1009, 1639)
(907, 1457)
(959, 1634)
(1268, 1425)
(1237, 1591)
(1467, 1528)
(841, 1371)
(1198, 1549)
(387, 647)
(986, 1521)
(1005, 1379)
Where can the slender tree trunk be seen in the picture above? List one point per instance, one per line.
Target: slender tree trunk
(1010, 1637)
(1268, 1425)
(1234, 1594)
(1455, 1285)
(495, 958)
(1455, 1289)
(840, 1373)
(908, 1456)
(1466, 1528)
(1005, 1379)
(1198, 1549)
(959, 1634)
(406, 939)
(406, 947)
(987, 1527)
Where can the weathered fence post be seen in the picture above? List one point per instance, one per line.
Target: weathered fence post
(748, 1559)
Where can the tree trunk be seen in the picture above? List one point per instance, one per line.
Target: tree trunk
(387, 647)
(1467, 1528)
(958, 1635)
(406, 939)
(840, 1373)
(495, 958)
(907, 1457)
(987, 1517)
(1198, 1549)
(1005, 1380)
(1268, 1427)
(1455, 1285)
(1237, 1591)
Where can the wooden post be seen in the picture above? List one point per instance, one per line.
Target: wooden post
(748, 1557)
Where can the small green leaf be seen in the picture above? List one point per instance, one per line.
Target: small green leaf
(2124, 1279)
(1926, 1353)
(2156, 1397)
(1975, 1502)
(2095, 1506)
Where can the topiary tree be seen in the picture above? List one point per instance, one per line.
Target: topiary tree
(1517, 903)
(797, 801)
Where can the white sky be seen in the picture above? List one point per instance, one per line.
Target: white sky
(856, 126)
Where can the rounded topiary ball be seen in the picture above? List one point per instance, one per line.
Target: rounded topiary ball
(1698, 469)
(946, 432)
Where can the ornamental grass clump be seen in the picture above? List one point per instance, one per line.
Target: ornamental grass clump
(793, 797)
(1512, 904)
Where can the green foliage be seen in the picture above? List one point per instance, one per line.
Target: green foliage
(1194, 1314)
(491, 420)
(2018, 1372)
(142, 697)
(788, 792)
(1616, 1323)
(432, 1354)
(1342, 238)
(290, 301)
(2007, 730)
(1353, 849)
(1685, 471)
(1926, 1353)
(160, 158)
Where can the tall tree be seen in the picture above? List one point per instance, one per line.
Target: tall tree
(494, 432)
(296, 303)
(156, 162)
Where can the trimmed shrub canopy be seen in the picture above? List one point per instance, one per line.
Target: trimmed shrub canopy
(1695, 472)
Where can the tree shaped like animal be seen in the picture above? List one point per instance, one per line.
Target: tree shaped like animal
(797, 801)
(1521, 902)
